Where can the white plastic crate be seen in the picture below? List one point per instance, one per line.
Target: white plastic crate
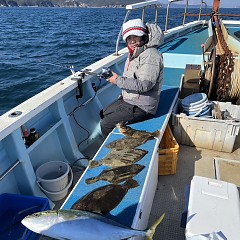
(213, 210)
(207, 133)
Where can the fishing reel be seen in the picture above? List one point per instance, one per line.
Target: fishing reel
(106, 73)
(80, 75)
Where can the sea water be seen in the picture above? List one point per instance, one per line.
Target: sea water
(38, 45)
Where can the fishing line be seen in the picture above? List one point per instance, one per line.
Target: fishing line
(88, 101)
(56, 65)
(82, 105)
(70, 67)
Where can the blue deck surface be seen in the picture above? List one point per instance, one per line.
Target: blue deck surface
(187, 44)
(167, 97)
(172, 76)
(126, 210)
(233, 29)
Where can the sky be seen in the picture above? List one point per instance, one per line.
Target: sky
(223, 3)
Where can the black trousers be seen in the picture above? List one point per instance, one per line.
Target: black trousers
(120, 111)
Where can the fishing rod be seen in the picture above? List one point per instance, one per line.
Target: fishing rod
(71, 68)
(106, 73)
(77, 75)
(57, 65)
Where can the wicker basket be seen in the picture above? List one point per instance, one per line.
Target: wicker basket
(168, 154)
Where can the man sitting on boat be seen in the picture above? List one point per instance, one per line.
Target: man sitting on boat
(142, 78)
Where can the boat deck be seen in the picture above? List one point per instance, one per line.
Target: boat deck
(170, 195)
(234, 31)
(187, 44)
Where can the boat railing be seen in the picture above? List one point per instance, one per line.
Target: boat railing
(200, 12)
(137, 6)
(167, 14)
(185, 11)
(6, 172)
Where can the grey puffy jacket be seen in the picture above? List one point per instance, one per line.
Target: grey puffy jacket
(143, 75)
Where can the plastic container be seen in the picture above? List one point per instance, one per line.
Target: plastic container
(13, 208)
(196, 105)
(56, 196)
(168, 154)
(53, 176)
(213, 210)
(209, 133)
(53, 179)
(194, 100)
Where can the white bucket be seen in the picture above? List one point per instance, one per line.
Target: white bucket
(52, 178)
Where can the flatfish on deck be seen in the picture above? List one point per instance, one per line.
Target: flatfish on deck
(126, 143)
(117, 158)
(104, 199)
(133, 133)
(118, 174)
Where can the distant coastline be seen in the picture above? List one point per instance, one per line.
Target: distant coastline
(66, 3)
(77, 4)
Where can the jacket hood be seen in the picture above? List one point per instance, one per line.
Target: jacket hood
(155, 39)
(155, 35)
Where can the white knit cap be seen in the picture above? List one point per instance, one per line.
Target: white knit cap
(133, 27)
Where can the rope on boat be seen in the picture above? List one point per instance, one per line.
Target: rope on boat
(234, 92)
(228, 87)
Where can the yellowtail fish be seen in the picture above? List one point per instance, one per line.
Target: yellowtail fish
(82, 225)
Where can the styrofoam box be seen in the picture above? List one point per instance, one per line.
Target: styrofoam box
(213, 210)
(207, 133)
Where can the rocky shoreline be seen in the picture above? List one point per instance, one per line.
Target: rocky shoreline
(49, 3)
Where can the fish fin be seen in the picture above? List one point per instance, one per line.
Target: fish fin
(151, 230)
(131, 183)
(91, 180)
(156, 133)
(93, 164)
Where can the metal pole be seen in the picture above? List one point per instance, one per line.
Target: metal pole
(156, 14)
(200, 11)
(119, 35)
(206, 11)
(9, 170)
(166, 23)
(143, 13)
(184, 17)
